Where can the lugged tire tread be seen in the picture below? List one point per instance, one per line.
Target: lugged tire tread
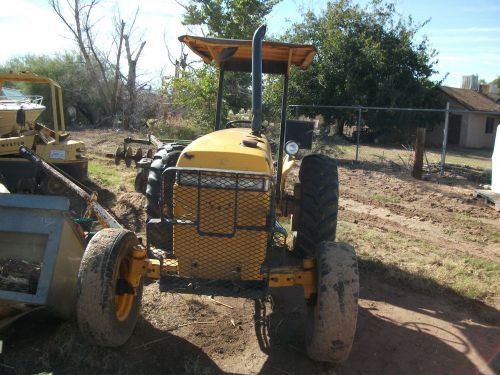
(159, 235)
(319, 203)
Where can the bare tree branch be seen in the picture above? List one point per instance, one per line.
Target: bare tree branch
(77, 15)
(117, 66)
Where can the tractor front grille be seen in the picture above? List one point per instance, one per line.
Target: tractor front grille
(222, 223)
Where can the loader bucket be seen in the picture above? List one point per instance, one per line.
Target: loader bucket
(40, 253)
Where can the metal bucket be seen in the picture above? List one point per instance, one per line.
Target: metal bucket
(40, 254)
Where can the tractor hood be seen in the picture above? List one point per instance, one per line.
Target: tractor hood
(230, 149)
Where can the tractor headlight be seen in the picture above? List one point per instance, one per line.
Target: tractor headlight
(291, 148)
(223, 182)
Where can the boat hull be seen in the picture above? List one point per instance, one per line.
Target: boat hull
(8, 118)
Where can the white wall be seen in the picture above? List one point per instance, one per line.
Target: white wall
(495, 166)
(476, 136)
(472, 132)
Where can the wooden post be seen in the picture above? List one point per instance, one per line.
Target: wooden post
(359, 133)
(418, 160)
(445, 136)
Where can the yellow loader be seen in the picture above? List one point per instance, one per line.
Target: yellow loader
(18, 127)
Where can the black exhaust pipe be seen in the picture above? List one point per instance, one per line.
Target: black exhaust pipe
(257, 79)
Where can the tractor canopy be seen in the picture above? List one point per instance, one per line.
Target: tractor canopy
(236, 55)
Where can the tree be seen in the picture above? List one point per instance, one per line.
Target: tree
(104, 70)
(235, 19)
(366, 56)
(195, 92)
(496, 81)
(228, 18)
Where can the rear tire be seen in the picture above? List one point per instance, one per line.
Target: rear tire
(331, 322)
(159, 235)
(140, 183)
(105, 315)
(319, 203)
(50, 185)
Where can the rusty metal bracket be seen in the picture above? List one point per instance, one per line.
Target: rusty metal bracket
(291, 276)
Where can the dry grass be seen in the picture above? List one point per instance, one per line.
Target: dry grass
(106, 174)
(421, 265)
(465, 157)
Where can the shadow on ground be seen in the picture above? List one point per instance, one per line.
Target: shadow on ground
(400, 331)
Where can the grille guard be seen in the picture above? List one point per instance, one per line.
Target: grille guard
(171, 177)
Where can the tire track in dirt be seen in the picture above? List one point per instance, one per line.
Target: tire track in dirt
(413, 227)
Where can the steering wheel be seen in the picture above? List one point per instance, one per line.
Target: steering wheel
(230, 124)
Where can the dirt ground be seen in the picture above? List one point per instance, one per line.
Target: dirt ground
(417, 242)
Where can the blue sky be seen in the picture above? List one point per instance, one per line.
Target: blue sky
(466, 34)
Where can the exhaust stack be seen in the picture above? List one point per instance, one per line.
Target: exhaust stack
(257, 79)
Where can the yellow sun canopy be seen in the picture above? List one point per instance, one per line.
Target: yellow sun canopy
(236, 55)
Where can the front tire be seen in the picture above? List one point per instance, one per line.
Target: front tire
(107, 308)
(331, 322)
(319, 203)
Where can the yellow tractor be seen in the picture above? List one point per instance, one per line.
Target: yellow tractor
(18, 127)
(213, 208)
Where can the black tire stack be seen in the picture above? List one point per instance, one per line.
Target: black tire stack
(160, 235)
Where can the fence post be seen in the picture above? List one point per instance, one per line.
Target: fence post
(359, 132)
(445, 136)
(418, 159)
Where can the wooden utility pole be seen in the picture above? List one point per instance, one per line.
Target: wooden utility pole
(418, 160)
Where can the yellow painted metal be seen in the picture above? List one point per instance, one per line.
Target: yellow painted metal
(170, 266)
(308, 263)
(137, 266)
(10, 145)
(123, 305)
(132, 268)
(124, 301)
(26, 77)
(219, 257)
(288, 163)
(153, 269)
(61, 110)
(210, 49)
(224, 264)
(224, 149)
(215, 257)
(306, 277)
(54, 112)
(66, 151)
